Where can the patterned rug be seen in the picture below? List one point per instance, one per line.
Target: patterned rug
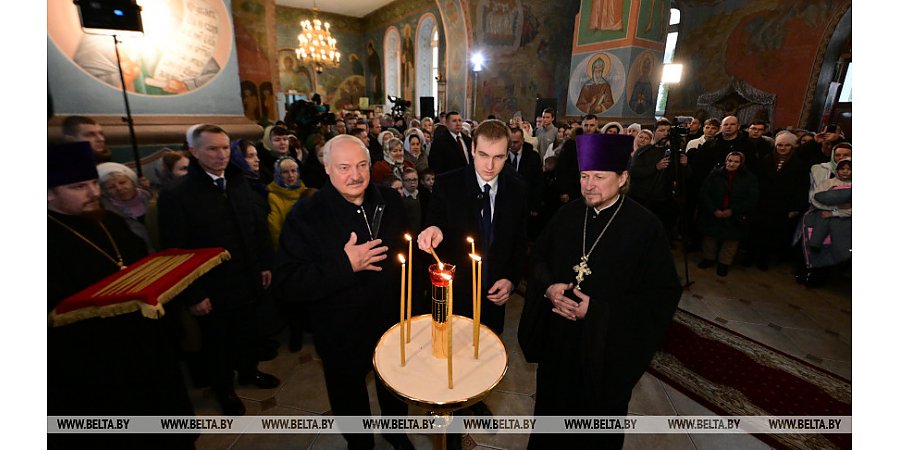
(734, 375)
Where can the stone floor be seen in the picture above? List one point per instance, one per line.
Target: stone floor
(811, 324)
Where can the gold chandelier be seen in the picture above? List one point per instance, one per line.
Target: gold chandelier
(316, 45)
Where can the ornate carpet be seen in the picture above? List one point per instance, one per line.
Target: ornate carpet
(734, 375)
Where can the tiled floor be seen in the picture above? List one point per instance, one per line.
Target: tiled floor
(810, 324)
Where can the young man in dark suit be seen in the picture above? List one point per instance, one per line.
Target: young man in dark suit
(488, 202)
(527, 163)
(450, 150)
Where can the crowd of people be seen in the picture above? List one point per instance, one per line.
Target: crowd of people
(309, 219)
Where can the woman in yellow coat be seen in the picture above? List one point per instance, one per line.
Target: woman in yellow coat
(284, 191)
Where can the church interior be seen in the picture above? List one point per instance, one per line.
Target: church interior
(238, 64)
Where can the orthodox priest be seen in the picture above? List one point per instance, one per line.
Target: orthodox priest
(122, 365)
(602, 292)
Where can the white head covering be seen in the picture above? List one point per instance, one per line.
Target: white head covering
(107, 169)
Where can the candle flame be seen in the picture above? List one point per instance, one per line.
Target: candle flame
(407, 237)
(401, 258)
(475, 257)
(470, 240)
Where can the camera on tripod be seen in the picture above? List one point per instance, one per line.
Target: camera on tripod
(400, 106)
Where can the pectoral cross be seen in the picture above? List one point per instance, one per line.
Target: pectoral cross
(581, 270)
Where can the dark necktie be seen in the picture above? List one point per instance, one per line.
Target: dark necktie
(512, 160)
(220, 183)
(462, 148)
(486, 225)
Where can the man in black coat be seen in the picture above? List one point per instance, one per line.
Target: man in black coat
(488, 202)
(213, 206)
(527, 163)
(333, 259)
(451, 150)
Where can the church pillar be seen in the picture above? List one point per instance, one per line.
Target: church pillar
(617, 58)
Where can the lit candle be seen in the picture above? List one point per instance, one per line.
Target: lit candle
(402, 310)
(477, 312)
(409, 239)
(450, 334)
(474, 258)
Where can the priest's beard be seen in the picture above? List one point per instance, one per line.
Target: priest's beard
(94, 215)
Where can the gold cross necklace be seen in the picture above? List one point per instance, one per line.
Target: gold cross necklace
(581, 269)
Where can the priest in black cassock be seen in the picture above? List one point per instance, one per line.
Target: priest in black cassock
(594, 342)
(122, 365)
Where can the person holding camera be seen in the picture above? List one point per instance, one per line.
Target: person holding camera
(655, 176)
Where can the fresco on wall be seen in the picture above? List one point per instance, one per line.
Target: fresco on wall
(293, 75)
(653, 20)
(347, 93)
(643, 82)
(499, 24)
(603, 20)
(185, 44)
(457, 53)
(538, 67)
(250, 99)
(596, 84)
(374, 83)
(407, 64)
(769, 44)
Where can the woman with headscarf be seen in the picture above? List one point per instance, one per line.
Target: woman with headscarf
(171, 165)
(726, 196)
(123, 195)
(782, 200)
(414, 149)
(392, 164)
(611, 128)
(284, 191)
(245, 155)
(633, 129)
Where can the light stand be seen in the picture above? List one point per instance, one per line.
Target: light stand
(671, 74)
(115, 17)
(128, 117)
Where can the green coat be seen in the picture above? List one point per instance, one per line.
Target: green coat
(743, 198)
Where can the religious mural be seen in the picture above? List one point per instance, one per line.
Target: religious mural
(653, 20)
(499, 25)
(603, 20)
(770, 44)
(457, 53)
(596, 84)
(407, 64)
(643, 82)
(374, 82)
(185, 44)
(295, 77)
(250, 100)
(534, 64)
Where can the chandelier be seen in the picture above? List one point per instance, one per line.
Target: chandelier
(316, 46)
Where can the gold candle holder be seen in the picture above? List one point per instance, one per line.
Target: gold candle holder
(440, 274)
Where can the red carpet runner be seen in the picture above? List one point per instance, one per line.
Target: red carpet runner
(733, 375)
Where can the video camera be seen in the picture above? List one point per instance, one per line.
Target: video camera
(681, 126)
(306, 117)
(400, 106)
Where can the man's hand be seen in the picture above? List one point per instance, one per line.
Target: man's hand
(582, 308)
(365, 255)
(561, 305)
(827, 214)
(430, 238)
(662, 164)
(201, 309)
(500, 292)
(266, 276)
(564, 198)
(683, 160)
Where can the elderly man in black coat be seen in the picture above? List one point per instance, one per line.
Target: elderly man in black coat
(332, 259)
(213, 206)
(488, 202)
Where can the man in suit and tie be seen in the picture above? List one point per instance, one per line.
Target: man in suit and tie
(488, 202)
(527, 163)
(451, 150)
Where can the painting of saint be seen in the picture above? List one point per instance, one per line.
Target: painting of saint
(596, 95)
(407, 63)
(606, 15)
(374, 65)
(250, 99)
(642, 99)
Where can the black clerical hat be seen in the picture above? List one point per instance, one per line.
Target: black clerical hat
(70, 163)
